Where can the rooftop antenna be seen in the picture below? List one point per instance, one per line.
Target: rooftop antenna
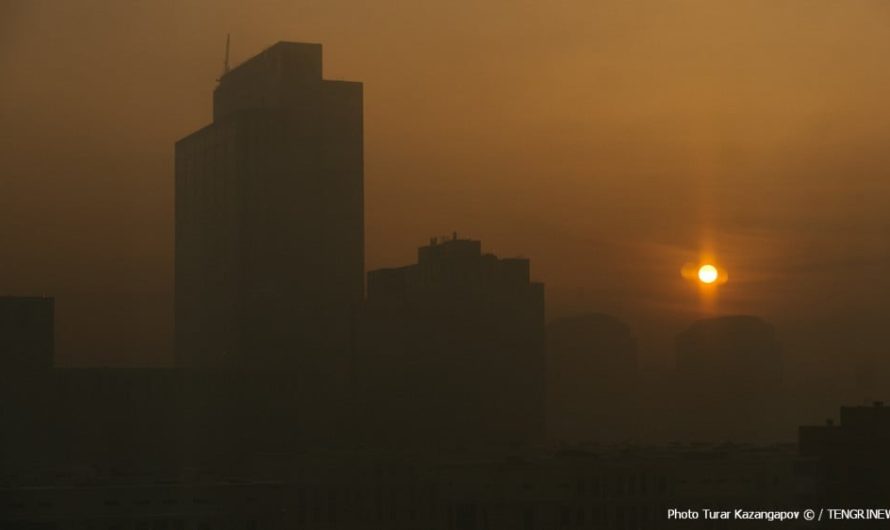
(226, 61)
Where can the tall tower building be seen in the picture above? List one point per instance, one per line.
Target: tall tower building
(269, 218)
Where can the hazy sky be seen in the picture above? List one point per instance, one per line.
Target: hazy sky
(609, 141)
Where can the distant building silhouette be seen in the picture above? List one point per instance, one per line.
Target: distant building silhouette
(729, 378)
(269, 219)
(592, 378)
(26, 333)
(453, 349)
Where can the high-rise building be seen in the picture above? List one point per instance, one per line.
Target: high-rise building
(269, 219)
(452, 349)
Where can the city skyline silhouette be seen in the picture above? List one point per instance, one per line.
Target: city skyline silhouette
(564, 194)
(224, 296)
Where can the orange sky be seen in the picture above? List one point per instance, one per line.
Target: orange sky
(609, 141)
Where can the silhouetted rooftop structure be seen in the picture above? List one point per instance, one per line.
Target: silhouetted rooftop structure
(455, 265)
(861, 429)
(278, 77)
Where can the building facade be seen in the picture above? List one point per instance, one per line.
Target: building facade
(452, 349)
(269, 218)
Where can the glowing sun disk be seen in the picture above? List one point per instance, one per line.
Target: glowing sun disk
(708, 274)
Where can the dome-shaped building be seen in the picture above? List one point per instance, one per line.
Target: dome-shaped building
(729, 375)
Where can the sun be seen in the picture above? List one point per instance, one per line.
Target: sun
(708, 274)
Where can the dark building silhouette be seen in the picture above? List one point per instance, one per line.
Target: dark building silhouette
(26, 359)
(847, 464)
(453, 349)
(270, 252)
(592, 378)
(269, 219)
(51, 416)
(26, 333)
(729, 379)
